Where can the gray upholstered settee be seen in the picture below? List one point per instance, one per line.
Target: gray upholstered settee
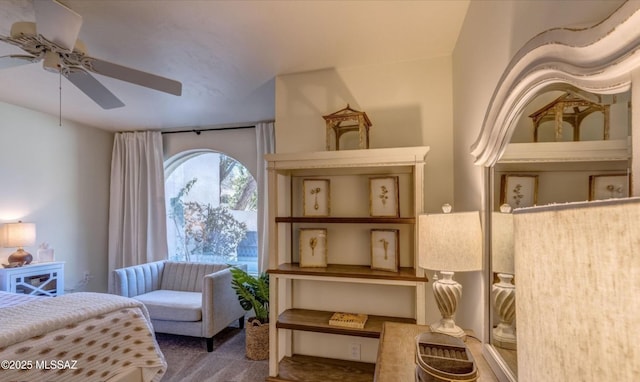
(190, 299)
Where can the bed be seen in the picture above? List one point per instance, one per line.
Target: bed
(77, 337)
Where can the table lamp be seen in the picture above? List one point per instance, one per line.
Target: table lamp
(449, 242)
(20, 235)
(503, 293)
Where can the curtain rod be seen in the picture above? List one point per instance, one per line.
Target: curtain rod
(198, 131)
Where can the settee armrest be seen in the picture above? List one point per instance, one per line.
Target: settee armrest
(138, 279)
(220, 306)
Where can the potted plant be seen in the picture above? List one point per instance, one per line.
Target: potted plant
(253, 294)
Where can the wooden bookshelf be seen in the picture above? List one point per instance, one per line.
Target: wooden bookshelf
(316, 369)
(318, 321)
(344, 220)
(348, 271)
(348, 255)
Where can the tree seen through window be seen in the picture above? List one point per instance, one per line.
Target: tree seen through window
(212, 211)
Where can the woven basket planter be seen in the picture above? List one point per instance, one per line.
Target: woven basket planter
(257, 340)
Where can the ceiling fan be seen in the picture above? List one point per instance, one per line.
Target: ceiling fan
(53, 39)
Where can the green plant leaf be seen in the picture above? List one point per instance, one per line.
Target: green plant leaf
(252, 292)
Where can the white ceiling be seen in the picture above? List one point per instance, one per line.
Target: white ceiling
(225, 53)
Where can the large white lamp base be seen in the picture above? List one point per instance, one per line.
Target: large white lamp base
(447, 293)
(503, 294)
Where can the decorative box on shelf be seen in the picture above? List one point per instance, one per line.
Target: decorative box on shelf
(42, 279)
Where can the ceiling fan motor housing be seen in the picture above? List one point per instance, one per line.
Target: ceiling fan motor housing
(52, 62)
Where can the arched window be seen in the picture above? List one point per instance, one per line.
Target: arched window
(211, 202)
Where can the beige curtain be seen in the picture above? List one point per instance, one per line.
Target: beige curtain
(137, 215)
(266, 144)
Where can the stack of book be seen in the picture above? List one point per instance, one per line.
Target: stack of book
(348, 320)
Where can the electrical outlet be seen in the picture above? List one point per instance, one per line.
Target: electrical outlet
(354, 351)
(86, 278)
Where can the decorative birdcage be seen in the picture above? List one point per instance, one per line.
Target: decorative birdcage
(569, 110)
(344, 121)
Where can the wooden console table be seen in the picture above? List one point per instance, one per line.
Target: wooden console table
(396, 354)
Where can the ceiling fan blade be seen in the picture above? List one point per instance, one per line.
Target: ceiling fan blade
(133, 76)
(16, 60)
(92, 88)
(57, 23)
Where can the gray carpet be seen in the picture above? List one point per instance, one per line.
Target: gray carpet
(188, 359)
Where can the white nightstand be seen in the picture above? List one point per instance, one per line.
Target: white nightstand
(43, 279)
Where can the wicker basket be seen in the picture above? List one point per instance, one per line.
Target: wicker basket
(257, 340)
(442, 358)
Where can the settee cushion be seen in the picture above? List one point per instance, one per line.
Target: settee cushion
(187, 276)
(173, 305)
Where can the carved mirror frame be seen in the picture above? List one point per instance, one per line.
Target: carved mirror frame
(603, 59)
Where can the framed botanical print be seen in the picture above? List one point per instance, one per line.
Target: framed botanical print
(316, 197)
(383, 196)
(519, 190)
(313, 247)
(608, 186)
(385, 253)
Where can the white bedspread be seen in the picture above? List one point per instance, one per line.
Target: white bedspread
(10, 299)
(77, 337)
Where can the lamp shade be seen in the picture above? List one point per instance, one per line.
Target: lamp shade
(502, 252)
(578, 285)
(19, 234)
(450, 242)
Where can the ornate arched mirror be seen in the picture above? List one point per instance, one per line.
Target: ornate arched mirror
(559, 128)
(540, 173)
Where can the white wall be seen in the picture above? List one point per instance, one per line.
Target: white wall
(58, 177)
(408, 103)
(478, 61)
(240, 144)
